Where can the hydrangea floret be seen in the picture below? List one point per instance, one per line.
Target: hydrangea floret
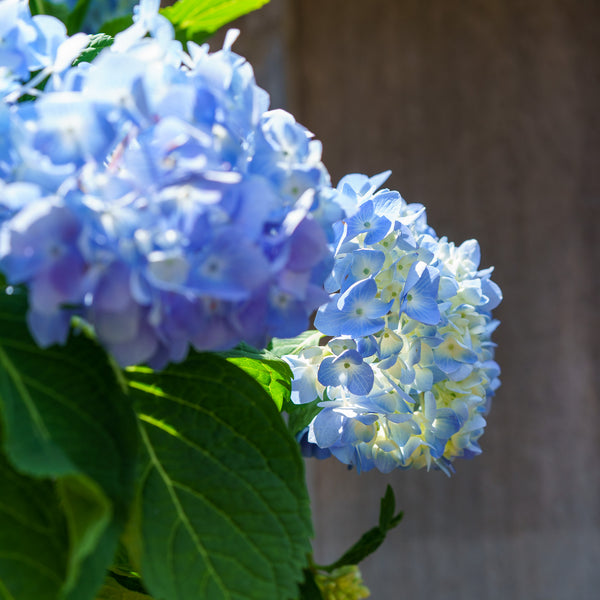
(407, 372)
(152, 194)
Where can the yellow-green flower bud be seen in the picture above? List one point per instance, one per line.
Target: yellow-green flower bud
(344, 583)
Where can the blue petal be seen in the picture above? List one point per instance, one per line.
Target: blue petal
(367, 263)
(326, 428)
(348, 370)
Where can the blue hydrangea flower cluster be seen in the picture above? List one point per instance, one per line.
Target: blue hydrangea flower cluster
(27, 44)
(154, 195)
(407, 375)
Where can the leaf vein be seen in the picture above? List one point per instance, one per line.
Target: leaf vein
(179, 510)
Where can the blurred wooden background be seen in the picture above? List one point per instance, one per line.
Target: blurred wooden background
(488, 112)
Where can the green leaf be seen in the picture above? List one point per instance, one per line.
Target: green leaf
(33, 537)
(77, 16)
(283, 346)
(300, 415)
(45, 7)
(198, 19)
(272, 373)
(65, 416)
(223, 511)
(111, 590)
(122, 571)
(117, 25)
(372, 539)
(387, 520)
(308, 589)
(96, 44)
(88, 512)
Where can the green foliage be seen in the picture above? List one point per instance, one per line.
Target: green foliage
(283, 346)
(117, 25)
(72, 19)
(45, 7)
(77, 16)
(96, 44)
(33, 537)
(372, 539)
(65, 417)
(267, 369)
(308, 589)
(111, 590)
(300, 415)
(198, 19)
(222, 509)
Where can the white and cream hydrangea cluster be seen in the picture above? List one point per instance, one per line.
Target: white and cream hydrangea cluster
(406, 376)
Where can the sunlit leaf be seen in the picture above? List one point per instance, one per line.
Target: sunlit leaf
(223, 508)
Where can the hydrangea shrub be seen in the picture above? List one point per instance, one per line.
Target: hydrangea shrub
(164, 237)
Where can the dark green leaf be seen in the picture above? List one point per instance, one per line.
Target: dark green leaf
(112, 590)
(272, 373)
(96, 44)
(122, 571)
(65, 416)
(283, 346)
(129, 582)
(308, 589)
(387, 508)
(198, 19)
(223, 510)
(77, 16)
(117, 25)
(33, 537)
(372, 539)
(45, 7)
(300, 415)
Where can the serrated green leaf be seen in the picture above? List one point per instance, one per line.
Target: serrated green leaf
(283, 346)
(65, 416)
(33, 537)
(372, 539)
(96, 44)
(223, 508)
(273, 374)
(198, 19)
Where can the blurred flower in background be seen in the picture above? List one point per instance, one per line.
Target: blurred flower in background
(153, 194)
